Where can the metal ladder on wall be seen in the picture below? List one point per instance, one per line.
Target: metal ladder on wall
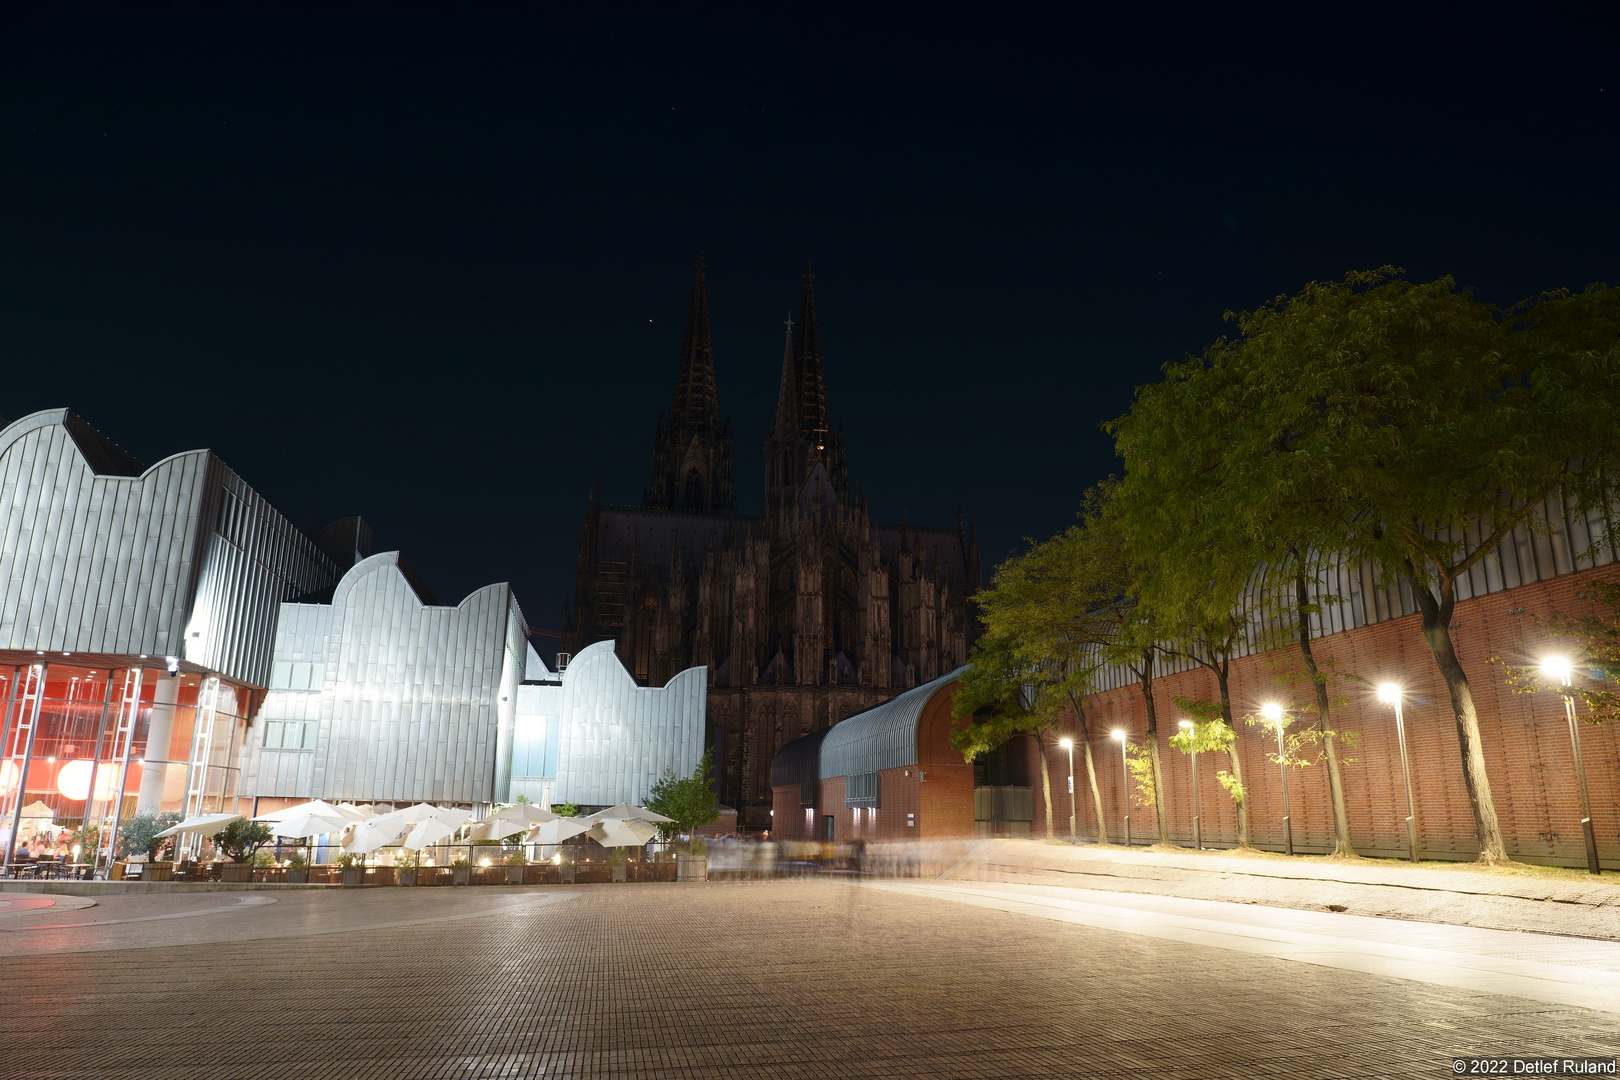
(129, 707)
(20, 748)
(202, 746)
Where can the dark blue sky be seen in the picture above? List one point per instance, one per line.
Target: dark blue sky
(432, 266)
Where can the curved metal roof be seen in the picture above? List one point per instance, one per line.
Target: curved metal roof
(884, 737)
(799, 760)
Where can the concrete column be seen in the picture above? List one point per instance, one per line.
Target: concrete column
(155, 766)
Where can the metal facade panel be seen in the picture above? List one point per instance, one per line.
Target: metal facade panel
(615, 739)
(883, 737)
(409, 703)
(130, 564)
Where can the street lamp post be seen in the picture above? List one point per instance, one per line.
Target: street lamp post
(1390, 694)
(1198, 818)
(1273, 712)
(1125, 776)
(1068, 744)
(1557, 667)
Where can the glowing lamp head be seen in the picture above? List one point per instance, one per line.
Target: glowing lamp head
(1389, 693)
(1066, 743)
(1272, 711)
(1118, 734)
(1556, 667)
(1187, 724)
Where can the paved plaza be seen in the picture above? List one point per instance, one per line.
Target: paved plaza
(811, 977)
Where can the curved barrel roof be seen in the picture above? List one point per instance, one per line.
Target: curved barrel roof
(884, 737)
(799, 760)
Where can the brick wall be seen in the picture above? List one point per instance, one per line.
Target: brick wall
(1526, 743)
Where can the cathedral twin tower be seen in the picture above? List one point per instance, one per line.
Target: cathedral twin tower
(804, 614)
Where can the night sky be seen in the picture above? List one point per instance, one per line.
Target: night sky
(432, 266)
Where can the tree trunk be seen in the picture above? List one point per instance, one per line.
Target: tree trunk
(1091, 773)
(1341, 817)
(1153, 744)
(1241, 804)
(1437, 635)
(1046, 783)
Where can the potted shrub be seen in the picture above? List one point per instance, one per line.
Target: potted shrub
(297, 869)
(352, 866)
(240, 840)
(460, 870)
(619, 863)
(691, 803)
(405, 868)
(515, 863)
(138, 840)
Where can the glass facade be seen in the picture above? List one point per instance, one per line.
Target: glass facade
(74, 746)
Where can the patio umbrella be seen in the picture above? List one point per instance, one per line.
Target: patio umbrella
(318, 807)
(426, 833)
(378, 832)
(38, 809)
(514, 819)
(622, 832)
(308, 823)
(555, 832)
(428, 812)
(202, 825)
(626, 812)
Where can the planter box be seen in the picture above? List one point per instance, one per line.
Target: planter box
(236, 871)
(621, 872)
(691, 868)
(565, 873)
(158, 871)
(460, 875)
(117, 871)
(514, 875)
(405, 877)
(298, 877)
(591, 874)
(351, 875)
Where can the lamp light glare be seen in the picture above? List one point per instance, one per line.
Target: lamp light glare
(1389, 693)
(1186, 723)
(1556, 667)
(1118, 734)
(1272, 711)
(1065, 743)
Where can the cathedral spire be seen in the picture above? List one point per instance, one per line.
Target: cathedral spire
(813, 419)
(696, 408)
(691, 467)
(787, 392)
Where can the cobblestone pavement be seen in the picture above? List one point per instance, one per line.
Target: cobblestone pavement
(804, 978)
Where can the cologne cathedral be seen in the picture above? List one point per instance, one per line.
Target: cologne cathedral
(805, 613)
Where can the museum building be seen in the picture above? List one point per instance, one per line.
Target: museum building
(169, 641)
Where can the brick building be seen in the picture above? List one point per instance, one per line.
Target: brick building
(1525, 736)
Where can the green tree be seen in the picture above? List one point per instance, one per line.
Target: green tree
(689, 800)
(1414, 428)
(241, 838)
(138, 833)
(1039, 654)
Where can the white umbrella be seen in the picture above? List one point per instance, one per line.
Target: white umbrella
(426, 811)
(376, 833)
(555, 832)
(626, 812)
(308, 824)
(622, 832)
(426, 833)
(317, 807)
(202, 825)
(514, 819)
